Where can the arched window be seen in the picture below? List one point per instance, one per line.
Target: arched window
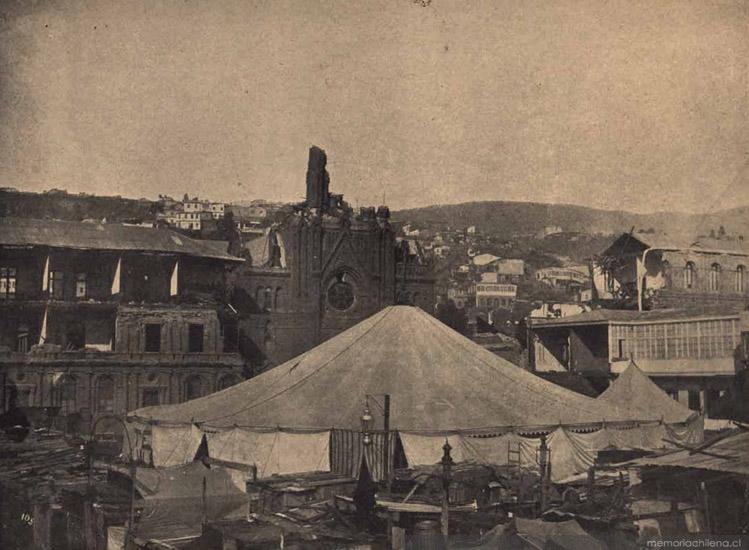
(260, 297)
(689, 275)
(740, 279)
(65, 394)
(227, 381)
(277, 299)
(268, 298)
(713, 281)
(104, 394)
(194, 387)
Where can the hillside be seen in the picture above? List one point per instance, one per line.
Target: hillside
(518, 218)
(63, 206)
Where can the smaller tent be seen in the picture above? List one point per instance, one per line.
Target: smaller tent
(633, 390)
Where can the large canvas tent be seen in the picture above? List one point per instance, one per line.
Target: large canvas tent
(441, 385)
(438, 380)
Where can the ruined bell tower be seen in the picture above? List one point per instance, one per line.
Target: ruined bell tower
(318, 180)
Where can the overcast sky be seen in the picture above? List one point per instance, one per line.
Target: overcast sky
(615, 104)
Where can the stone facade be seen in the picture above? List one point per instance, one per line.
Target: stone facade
(324, 269)
(88, 333)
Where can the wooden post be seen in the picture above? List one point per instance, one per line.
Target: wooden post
(205, 507)
(386, 464)
(706, 506)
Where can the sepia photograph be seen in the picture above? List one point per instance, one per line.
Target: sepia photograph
(374, 274)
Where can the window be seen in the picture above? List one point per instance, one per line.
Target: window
(153, 337)
(66, 394)
(55, 284)
(195, 338)
(277, 299)
(193, 387)
(80, 285)
(231, 337)
(7, 283)
(105, 394)
(689, 275)
(740, 278)
(22, 339)
(695, 400)
(713, 281)
(268, 300)
(151, 397)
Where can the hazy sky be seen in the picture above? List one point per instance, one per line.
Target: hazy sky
(617, 104)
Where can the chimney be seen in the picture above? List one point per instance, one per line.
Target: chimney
(317, 179)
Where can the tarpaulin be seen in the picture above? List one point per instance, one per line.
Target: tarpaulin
(423, 450)
(505, 449)
(568, 457)
(272, 452)
(598, 440)
(174, 445)
(689, 433)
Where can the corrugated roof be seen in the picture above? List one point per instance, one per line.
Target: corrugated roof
(106, 236)
(734, 447)
(438, 380)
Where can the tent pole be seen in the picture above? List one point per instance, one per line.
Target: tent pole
(388, 477)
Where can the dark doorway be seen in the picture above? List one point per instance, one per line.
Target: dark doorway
(195, 338)
(153, 337)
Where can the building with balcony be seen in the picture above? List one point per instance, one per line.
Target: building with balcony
(98, 319)
(651, 271)
(493, 294)
(698, 357)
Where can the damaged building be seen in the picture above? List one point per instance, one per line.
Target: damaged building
(322, 268)
(100, 319)
(651, 271)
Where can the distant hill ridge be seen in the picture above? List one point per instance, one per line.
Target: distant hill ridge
(515, 218)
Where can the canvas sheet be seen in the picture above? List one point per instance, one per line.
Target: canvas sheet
(174, 445)
(425, 450)
(689, 433)
(274, 452)
(504, 450)
(568, 456)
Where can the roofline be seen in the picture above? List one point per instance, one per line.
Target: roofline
(674, 248)
(695, 249)
(226, 258)
(561, 322)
